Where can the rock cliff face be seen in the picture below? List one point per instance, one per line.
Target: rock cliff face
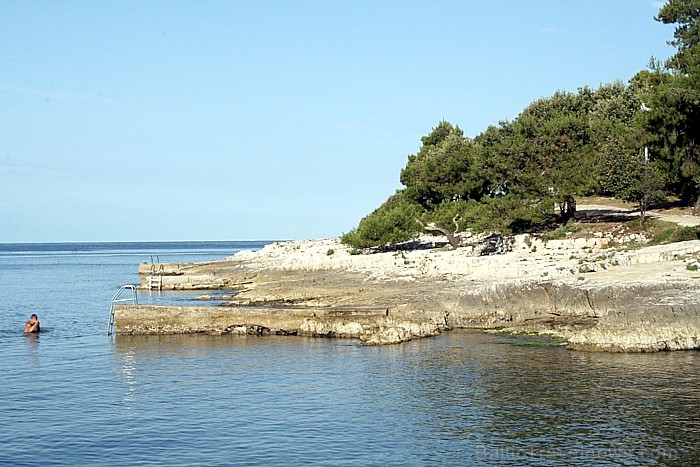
(594, 297)
(618, 317)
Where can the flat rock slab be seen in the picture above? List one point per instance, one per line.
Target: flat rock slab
(370, 325)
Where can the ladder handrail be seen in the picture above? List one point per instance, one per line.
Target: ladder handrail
(122, 289)
(124, 300)
(134, 301)
(155, 277)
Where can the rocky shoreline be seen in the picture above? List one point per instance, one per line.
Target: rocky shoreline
(582, 291)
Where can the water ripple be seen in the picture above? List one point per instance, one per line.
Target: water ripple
(78, 397)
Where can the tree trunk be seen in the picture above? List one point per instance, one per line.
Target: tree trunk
(567, 210)
(455, 241)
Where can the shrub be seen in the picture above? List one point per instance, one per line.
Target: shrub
(675, 234)
(561, 232)
(504, 214)
(393, 222)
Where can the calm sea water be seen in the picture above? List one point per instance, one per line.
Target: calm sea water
(72, 395)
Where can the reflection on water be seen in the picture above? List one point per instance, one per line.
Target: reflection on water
(460, 398)
(32, 341)
(126, 369)
(457, 398)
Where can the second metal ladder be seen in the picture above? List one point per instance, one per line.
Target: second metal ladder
(155, 278)
(115, 300)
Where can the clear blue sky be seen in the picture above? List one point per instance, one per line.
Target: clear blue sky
(137, 120)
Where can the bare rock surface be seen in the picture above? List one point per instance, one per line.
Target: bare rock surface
(583, 291)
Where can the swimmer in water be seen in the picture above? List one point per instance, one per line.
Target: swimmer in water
(32, 325)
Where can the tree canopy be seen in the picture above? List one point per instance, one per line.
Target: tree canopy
(632, 141)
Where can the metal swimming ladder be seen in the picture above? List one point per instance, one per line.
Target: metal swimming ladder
(134, 301)
(155, 277)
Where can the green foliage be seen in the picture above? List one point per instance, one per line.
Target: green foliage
(513, 176)
(393, 222)
(445, 168)
(440, 134)
(632, 179)
(484, 215)
(675, 234)
(618, 173)
(673, 120)
(561, 232)
(617, 139)
(330, 252)
(553, 158)
(446, 211)
(685, 14)
(505, 214)
(669, 127)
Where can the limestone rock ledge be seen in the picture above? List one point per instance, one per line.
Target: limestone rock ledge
(593, 297)
(638, 339)
(644, 316)
(370, 326)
